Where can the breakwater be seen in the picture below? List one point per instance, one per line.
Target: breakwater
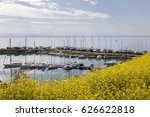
(71, 52)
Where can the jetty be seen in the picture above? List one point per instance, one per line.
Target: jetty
(71, 52)
(44, 66)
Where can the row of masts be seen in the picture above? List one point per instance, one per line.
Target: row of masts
(68, 48)
(99, 42)
(104, 42)
(44, 66)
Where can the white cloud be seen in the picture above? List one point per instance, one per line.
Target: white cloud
(45, 9)
(93, 2)
(31, 0)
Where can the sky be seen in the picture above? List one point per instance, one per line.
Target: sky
(71, 17)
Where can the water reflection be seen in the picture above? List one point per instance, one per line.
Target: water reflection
(54, 74)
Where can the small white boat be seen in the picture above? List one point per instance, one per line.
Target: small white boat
(52, 67)
(26, 66)
(87, 67)
(42, 66)
(99, 57)
(111, 63)
(82, 56)
(67, 67)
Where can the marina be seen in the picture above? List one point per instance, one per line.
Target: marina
(53, 61)
(49, 66)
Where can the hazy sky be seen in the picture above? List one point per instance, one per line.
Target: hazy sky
(75, 17)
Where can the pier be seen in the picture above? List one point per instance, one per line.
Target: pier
(71, 52)
(44, 66)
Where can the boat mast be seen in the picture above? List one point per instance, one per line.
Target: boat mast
(10, 58)
(34, 59)
(92, 42)
(34, 52)
(99, 43)
(10, 52)
(105, 43)
(110, 43)
(25, 50)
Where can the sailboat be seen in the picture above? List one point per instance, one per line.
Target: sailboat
(11, 64)
(29, 65)
(52, 65)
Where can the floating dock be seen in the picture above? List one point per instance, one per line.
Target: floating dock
(44, 66)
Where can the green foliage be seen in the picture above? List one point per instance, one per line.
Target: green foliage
(130, 80)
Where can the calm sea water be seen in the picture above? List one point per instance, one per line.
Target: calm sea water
(48, 74)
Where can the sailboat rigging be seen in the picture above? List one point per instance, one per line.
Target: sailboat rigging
(11, 64)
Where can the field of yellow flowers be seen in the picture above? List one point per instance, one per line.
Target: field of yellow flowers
(130, 80)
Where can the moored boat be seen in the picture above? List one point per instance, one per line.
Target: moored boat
(12, 65)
